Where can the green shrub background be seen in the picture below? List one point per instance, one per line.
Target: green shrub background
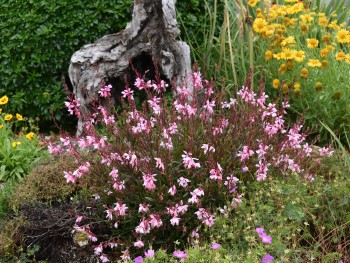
(38, 38)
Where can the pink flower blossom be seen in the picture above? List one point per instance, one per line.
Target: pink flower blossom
(128, 93)
(159, 164)
(215, 246)
(245, 153)
(138, 259)
(216, 174)
(144, 208)
(99, 249)
(73, 107)
(105, 92)
(144, 227)
(180, 254)
(183, 181)
(149, 253)
(104, 258)
(206, 148)
(189, 161)
(148, 181)
(175, 221)
(139, 244)
(172, 190)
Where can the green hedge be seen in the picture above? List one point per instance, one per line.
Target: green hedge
(38, 37)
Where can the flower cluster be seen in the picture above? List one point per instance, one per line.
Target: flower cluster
(167, 167)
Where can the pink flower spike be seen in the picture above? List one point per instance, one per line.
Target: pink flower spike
(149, 253)
(215, 246)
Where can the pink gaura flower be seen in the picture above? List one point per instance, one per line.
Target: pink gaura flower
(139, 244)
(105, 92)
(159, 164)
(206, 148)
(175, 221)
(172, 190)
(144, 208)
(183, 181)
(216, 174)
(128, 93)
(189, 161)
(148, 181)
(245, 153)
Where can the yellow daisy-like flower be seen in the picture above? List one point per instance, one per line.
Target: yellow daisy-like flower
(343, 36)
(4, 100)
(19, 117)
(304, 73)
(259, 25)
(1, 126)
(312, 43)
(334, 25)
(8, 117)
(291, 1)
(252, 3)
(299, 56)
(304, 28)
(297, 85)
(30, 136)
(324, 52)
(288, 41)
(324, 63)
(318, 86)
(282, 69)
(340, 56)
(268, 55)
(279, 56)
(14, 144)
(275, 83)
(314, 63)
(322, 21)
(289, 53)
(347, 58)
(330, 47)
(326, 39)
(306, 18)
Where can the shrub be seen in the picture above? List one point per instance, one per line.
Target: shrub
(169, 166)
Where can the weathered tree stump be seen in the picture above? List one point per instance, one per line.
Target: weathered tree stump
(150, 36)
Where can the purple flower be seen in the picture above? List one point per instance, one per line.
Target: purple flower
(215, 246)
(139, 259)
(180, 254)
(265, 238)
(149, 253)
(341, 261)
(260, 230)
(267, 259)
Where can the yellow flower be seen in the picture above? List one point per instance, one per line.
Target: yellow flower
(19, 117)
(347, 58)
(312, 43)
(14, 144)
(340, 56)
(285, 89)
(268, 55)
(1, 126)
(314, 63)
(259, 25)
(290, 1)
(275, 83)
(322, 21)
(289, 53)
(306, 18)
(304, 73)
(252, 3)
(330, 47)
(318, 86)
(324, 63)
(279, 56)
(288, 41)
(4, 100)
(324, 52)
(326, 39)
(304, 28)
(30, 136)
(8, 117)
(343, 36)
(334, 25)
(283, 68)
(297, 86)
(299, 56)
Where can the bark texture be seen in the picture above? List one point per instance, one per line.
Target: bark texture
(151, 35)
